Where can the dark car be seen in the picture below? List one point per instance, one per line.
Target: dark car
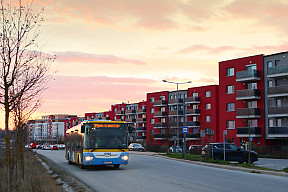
(232, 153)
(136, 147)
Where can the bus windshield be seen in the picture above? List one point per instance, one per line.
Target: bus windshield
(105, 136)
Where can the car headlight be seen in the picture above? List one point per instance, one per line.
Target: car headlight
(125, 157)
(88, 158)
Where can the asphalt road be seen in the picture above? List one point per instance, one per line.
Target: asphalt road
(150, 173)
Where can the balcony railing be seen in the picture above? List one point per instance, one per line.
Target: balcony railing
(139, 111)
(130, 111)
(160, 136)
(248, 94)
(193, 112)
(193, 124)
(141, 129)
(174, 101)
(278, 111)
(277, 71)
(248, 113)
(131, 120)
(140, 137)
(193, 136)
(119, 112)
(160, 103)
(141, 120)
(173, 124)
(278, 132)
(244, 132)
(278, 91)
(160, 114)
(192, 100)
(248, 75)
(160, 125)
(174, 113)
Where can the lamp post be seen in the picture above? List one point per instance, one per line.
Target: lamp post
(177, 83)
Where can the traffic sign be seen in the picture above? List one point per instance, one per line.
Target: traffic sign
(185, 130)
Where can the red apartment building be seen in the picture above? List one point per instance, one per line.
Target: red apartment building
(241, 100)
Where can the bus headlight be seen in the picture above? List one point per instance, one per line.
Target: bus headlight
(125, 157)
(88, 158)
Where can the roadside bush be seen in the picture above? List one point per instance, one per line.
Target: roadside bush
(157, 148)
(36, 176)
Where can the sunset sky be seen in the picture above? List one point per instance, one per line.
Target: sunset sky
(114, 51)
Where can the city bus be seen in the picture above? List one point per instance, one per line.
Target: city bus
(97, 142)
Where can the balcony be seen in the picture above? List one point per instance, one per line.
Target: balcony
(193, 124)
(141, 120)
(192, 112)
(130, 120)
(174, 113)
(244, 132)
(278, 71)
(141, 129)
(160, 103)
(248, 75)
(248, 94)
(139, 138)
(127, 112)
(193, 137)
(160, 137)
(140, 111)
(173, 124)
(119, 120)
(119, 112)
(160, 125)
(160, 114)
(192, 100)
(278, 91)
(281, 132)
(174, 101)
(278, 111)
(248, 113)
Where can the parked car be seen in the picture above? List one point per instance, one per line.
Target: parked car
(39, 147)
(61, 146)
(136, 147)
(54, 147)
(232, 153)
(46, 147)
(175, 149)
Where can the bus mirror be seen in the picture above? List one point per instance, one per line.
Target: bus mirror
(82, 128)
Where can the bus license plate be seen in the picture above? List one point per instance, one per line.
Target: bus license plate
(107, 162)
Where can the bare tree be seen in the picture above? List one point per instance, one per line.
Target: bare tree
(24, 68)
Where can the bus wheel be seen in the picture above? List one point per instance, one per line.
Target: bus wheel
(116, 166)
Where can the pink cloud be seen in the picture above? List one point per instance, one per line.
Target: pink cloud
(77, 95)
(70, 56)
(206, 49)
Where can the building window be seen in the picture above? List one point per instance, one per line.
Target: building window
(152, 100)
(195, 94)
(152, 110)
(229, 72)
(230, 89)
(277, 62)
(162, 97)
(252, 85)
(208, 118)
(208, 106)
(230, 107)
(269, 64)
(270, 83)
(208, 93)
(230, 124)
(152, 121)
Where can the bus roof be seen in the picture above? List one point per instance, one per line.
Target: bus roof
(101, 121)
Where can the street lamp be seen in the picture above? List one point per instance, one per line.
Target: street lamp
(177, 83)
